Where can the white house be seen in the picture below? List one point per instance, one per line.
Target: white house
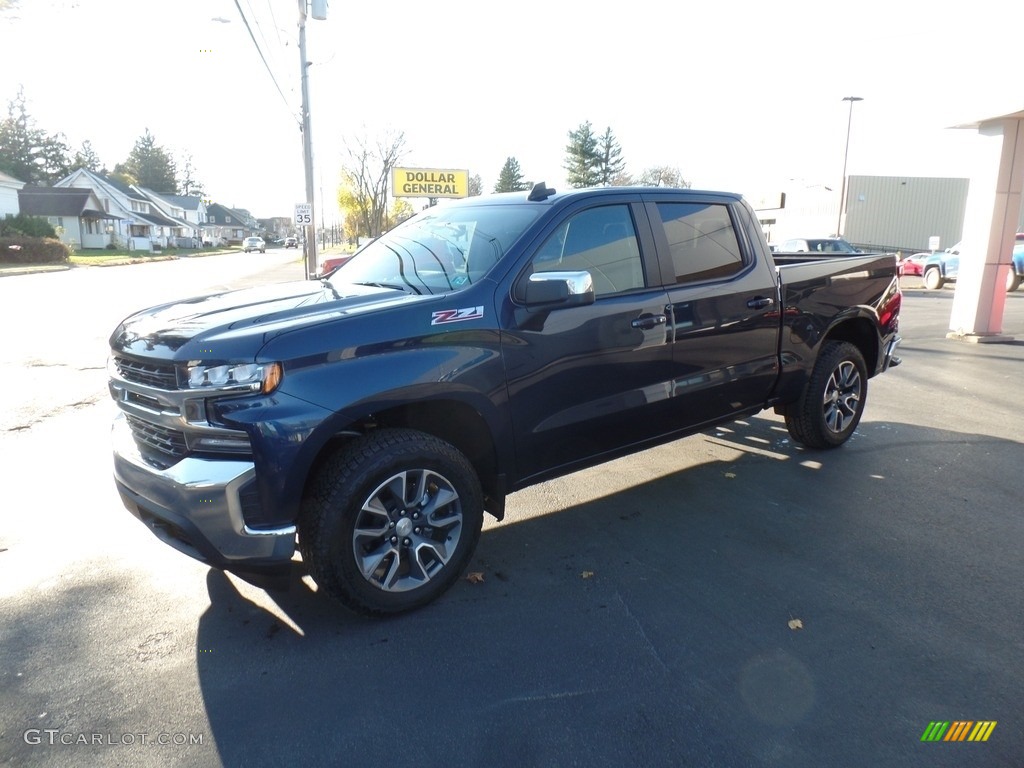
(140, 225)
(188, 210)
(75, 213)
(9, 187)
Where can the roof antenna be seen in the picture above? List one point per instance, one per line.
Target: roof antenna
(540, 192)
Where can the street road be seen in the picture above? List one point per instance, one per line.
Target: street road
(645, 612)
(56, 324)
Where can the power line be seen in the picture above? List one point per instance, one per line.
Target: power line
(263, 58)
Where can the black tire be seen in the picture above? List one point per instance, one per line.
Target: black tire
(390, 521)
(1012, 280)
(829, 409)
(933, 279)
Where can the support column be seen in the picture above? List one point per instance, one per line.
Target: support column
(993, 213)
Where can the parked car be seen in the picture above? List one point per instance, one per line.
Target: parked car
(944, 267)
(291, 242)
(254, 244)
(330, 264)
(817, 245)
(477, 348)
(913, 265)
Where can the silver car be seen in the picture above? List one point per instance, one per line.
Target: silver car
(254, 244)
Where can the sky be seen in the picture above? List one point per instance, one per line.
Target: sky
(741, 96)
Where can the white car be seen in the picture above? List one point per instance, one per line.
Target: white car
(254, 244)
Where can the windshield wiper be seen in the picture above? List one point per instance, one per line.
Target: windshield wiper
(392, 286)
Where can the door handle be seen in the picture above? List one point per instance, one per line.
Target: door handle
(760, 302)
(646, 322)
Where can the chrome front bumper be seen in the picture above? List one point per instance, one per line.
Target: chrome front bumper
(194, 506)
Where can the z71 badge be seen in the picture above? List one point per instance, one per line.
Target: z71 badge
(456, 315)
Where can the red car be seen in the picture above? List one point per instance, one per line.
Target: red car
(914, 264)
(331, 264)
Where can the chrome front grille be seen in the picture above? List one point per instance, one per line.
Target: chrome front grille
(167, 442)
(160, 375)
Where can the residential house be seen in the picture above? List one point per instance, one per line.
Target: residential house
(77, 214)
(189, 210)
(278, 226)
(140, 225)
(228, 226)
(9, 187)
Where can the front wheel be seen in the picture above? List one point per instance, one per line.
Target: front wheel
(1012, 280)
(933, 279)
(390, 521)
(832, 402)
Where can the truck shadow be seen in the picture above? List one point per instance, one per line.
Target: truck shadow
(601, 626)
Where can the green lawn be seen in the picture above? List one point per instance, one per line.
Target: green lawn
(101, 255)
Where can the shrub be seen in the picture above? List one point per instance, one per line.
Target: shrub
(32, 250)
(28, 226)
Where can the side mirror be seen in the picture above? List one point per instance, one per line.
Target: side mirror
(561, 289)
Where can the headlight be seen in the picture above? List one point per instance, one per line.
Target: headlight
(258, 377)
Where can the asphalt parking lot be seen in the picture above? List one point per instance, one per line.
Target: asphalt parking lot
(724, 600)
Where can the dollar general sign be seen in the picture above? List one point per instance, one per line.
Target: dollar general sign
(429, 182)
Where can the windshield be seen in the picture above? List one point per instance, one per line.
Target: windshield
(832, 245)
(440, 250)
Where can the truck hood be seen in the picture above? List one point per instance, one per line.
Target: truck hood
(241, 321)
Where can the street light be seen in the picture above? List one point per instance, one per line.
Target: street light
(846, 154)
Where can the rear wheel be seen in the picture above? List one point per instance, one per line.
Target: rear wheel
(391, 521)
(933, 279)
(830, 407)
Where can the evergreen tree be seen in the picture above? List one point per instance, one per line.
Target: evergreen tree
(29, 153)
(86, 158)
(612, 166)
(511, 177)
(150, 166)
(582, 160)
(476, 185)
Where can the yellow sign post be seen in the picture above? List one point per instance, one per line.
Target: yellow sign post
(429, 182)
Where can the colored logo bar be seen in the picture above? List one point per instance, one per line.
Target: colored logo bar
(958, 730)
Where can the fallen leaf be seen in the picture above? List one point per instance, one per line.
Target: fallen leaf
(796, 624)
(587, 574)
(475, 577)
(730, 474)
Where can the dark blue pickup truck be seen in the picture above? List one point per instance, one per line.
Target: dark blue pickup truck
(371, 417)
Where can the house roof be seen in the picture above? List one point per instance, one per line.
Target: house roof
(120, 186)
(159, 218)
(240, 214)
(188, 202)
(59, 201)
(9, 179)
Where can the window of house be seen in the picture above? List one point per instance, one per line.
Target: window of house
(601, 241)
(227, 219)
(702, 241)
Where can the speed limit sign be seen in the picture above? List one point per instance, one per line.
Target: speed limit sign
(303, 214)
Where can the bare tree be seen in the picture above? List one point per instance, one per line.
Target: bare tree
(365, 178)
(663, 176)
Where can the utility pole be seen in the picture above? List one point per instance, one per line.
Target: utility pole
(319, 9)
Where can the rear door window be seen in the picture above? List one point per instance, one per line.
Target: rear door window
(702, 241)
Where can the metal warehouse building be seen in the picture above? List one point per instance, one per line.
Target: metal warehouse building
(884, 213)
